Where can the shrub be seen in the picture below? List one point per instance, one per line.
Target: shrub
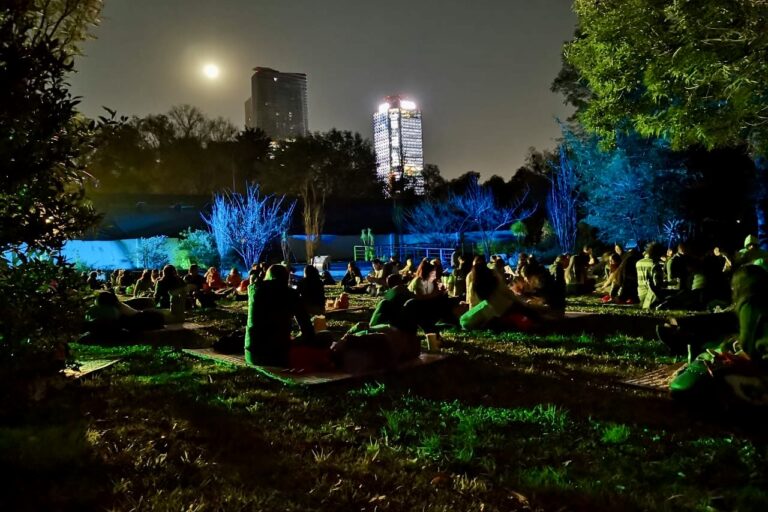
(196, 246)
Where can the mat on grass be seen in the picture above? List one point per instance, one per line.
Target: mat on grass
(657, 379)
(88, 367)
(289, 376)
(348, 310)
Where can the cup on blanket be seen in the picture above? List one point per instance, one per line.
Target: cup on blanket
(433, 341)
(319, 323)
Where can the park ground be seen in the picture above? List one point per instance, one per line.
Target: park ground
(509, 422)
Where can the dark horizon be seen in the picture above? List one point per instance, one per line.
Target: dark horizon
(481, 76)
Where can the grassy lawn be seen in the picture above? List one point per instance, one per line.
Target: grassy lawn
(510, 422)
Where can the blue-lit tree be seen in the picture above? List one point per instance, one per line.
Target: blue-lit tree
(152, 252)
(438, 221)
(562, 202)
(247, 223)
(629, 190)
(479, 211)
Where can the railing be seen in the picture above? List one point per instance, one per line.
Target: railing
(417, 252)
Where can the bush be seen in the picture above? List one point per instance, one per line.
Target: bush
(196, 246)
(40, 302)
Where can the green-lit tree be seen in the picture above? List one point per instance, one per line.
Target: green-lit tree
(692, 73)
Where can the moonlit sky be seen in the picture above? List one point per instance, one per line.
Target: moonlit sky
(480, 71)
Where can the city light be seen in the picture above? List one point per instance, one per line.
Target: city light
(407, 105)
(383, 108)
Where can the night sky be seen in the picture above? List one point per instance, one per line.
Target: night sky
(480, 71)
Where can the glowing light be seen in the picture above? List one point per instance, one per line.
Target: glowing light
(383, 108)
(211, 71)
(408, 105)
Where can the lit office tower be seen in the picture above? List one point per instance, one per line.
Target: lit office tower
(278, 103)
(398, 145)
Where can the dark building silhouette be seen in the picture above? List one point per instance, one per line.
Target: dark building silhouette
(278, 103)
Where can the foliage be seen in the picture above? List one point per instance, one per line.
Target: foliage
(317, 166)
(562, 202)
(152, 252)
(248, 223)
(39, 300)
(693, 73)
(438, 220)
(196, 246)
(628, 191)
(43, 145)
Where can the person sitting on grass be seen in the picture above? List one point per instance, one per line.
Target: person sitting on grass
(377, 279)
(408, 270)
(650, 277)
(352, 280)
(233, 278)
(144, 285)
(93, 281)
(198, 288)
(213, 280)
(545, 295)
(272, 307)
(425, 285)
(489, 298)
(738, 368)
(390, 307)
(169, 284)
(312, 291)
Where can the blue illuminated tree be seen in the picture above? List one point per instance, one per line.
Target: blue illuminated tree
(629, 190)
(562, 202)
(247, 223)
(437, 220)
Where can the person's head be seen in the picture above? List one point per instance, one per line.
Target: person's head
(478, 260)
(253, 275)
(146, 274)
(93, 274)
(376, 264)
(213, 271)
(409, 263)
(234, 272)
(395, 259)
(747, 282)
(278, 273)
(310, 272)
(617, 249)
(106, 299)
(751, 242)
(654, 251)
(682, 248)
(670, 252)
(426, 271)
(587, 250)
(194, 269)
(352, 267)
(615, 260)
(394, 280)
(169, 271)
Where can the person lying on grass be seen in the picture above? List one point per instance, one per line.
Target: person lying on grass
(365, 348)
(738, 368)
(109, 319)
(272, 307)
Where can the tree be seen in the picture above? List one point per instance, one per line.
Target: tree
(628, 191)
(152, 252)
(437, 219)
(43, 145)
(562, 202)
(318, 166)
(247, 223)
(693, 73)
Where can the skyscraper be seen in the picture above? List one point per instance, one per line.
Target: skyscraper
(278, 103)
(397, 140)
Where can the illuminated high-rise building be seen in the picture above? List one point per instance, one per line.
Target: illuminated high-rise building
(278, 103)
(397, 140)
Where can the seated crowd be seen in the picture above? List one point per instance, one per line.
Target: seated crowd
(519, 294)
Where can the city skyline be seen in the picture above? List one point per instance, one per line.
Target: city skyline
(483, 74)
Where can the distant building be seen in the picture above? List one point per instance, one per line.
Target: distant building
(397, 140)
(278, 103)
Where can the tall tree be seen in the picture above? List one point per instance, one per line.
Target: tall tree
(690, 72)
(562, 202)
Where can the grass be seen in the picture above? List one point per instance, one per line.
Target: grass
(511, 422)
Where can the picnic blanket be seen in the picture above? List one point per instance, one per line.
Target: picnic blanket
(288, 376)
(656, 380)
(87, 367)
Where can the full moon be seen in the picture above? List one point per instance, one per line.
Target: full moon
(211, 71)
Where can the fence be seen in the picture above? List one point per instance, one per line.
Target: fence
(417, 252)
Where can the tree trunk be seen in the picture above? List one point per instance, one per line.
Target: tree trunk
(761, 199)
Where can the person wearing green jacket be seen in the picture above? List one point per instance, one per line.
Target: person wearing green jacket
(740, 365)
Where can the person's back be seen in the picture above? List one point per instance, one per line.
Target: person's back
(650, 277)
(312, 291)
(272, 306)
(628, 275)
(168, 283)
